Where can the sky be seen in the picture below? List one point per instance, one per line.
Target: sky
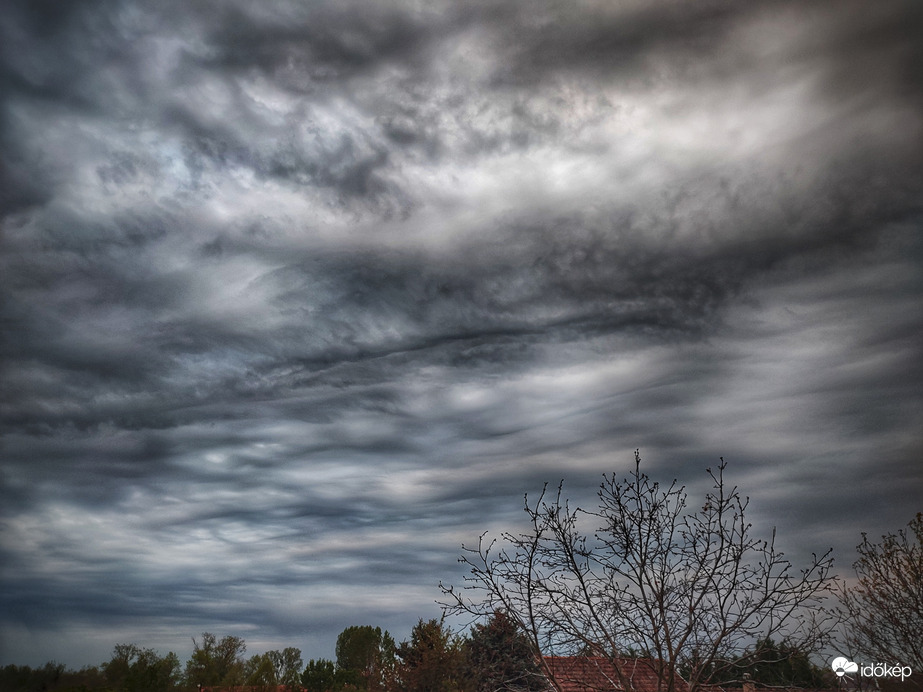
(297, 298)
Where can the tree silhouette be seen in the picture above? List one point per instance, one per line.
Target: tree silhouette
(433, 660)
(884, 610)
(365, 655)
(690, 589)
(500, 657)
(215, 662)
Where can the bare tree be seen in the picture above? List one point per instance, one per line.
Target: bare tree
(884, 609)
(691, 590)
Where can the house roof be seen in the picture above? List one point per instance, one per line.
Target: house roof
(599, 674)
(247, 688)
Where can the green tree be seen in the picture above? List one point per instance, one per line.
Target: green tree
(260, 673)
(775, 664)
(51, 676)
(883, 611)
(322, 676)
(274, 668)
(779, 665)
(215, 662)
(365, 656)
(500, 657)
(15, 678)
(133, 669)
(287, 664)
(432, 661)
(86, 679)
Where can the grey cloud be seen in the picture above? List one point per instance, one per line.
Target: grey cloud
(607, 41)
(877, 55)
(297, 299)
(324, 41)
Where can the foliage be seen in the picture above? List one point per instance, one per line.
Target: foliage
(432, 661)
(884, 610)
(287, 664)
(322, 676)
(365, 656)
(688, 588)
(772, 664)
(780, 665)
(500, 657)
(273, 668)
(55, 677)
(269, 670)
(215, 662)
(26, 679)
(133, 669)
(260, 673)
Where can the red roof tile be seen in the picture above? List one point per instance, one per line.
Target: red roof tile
(247, 688)
(598, 674)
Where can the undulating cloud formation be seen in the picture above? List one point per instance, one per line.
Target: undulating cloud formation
(298, 297)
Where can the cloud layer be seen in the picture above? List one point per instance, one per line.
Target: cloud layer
(299, 297)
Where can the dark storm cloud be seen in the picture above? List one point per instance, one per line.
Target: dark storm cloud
(324, 41)
(298, 298)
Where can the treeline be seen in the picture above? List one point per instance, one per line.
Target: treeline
(433, 659)
(491, 656)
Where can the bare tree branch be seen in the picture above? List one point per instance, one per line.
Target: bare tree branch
(884, 610)
(691, 590)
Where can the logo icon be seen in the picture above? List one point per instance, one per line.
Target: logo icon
(842, 665)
